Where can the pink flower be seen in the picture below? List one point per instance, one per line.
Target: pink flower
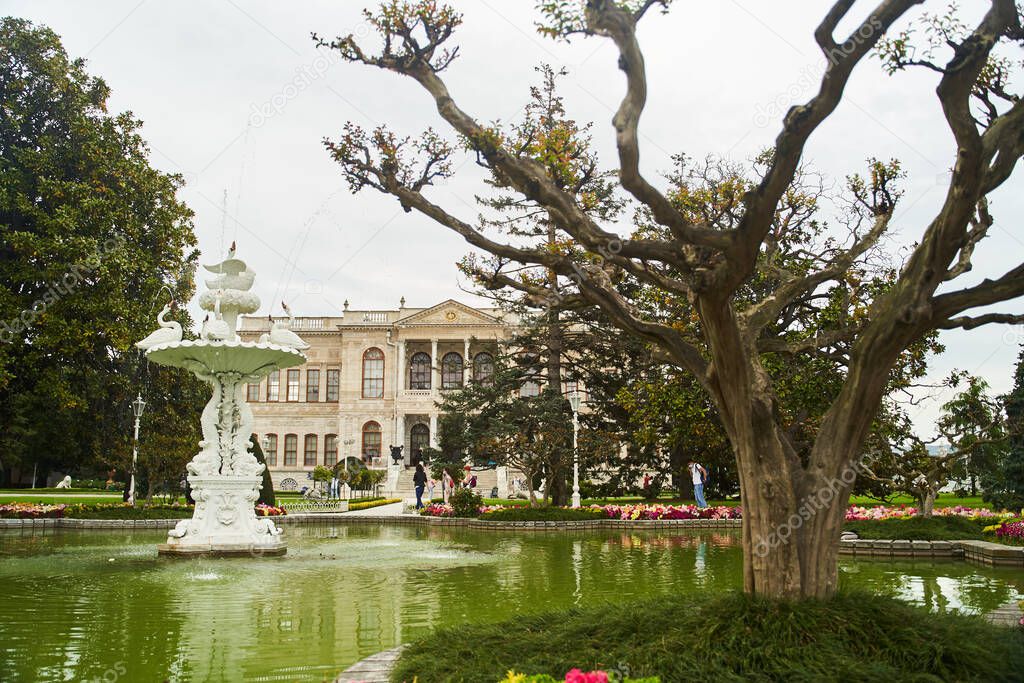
(577, 676)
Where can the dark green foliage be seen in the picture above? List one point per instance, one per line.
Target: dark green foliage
(947, 528)
(543, 514)
(1006, 488)
(93, 240)
(114, 511)
(267, 487)
(465, 503)
(852, 637)
(439, 465)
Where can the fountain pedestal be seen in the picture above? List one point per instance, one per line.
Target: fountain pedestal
(224, 522)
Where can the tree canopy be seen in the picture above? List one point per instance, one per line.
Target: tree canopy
(94, 242)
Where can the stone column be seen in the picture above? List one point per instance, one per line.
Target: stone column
(400, 429)
(435, 369)
(433, 430)
(466, 363)
(401, 368)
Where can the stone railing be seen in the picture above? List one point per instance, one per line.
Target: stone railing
(418, 393)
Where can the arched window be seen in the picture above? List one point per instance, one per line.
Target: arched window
(373, 373)
(451, 371)
(270, 452)
(291, 449)
(419, 438)
(330, 450)
(483, 368)
(371, 440)
(419, 371)
(309, 454)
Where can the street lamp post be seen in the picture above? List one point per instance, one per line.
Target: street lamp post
(574, 402)
(138, 405)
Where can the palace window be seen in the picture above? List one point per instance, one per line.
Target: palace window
(570, 387)
(483, 368)
(371, 440)
(312, 386)
(333, 384)
(419, 371)
(274, 386)
(373, 373)
(291, 449)
(293, 385)
(270, 454)
(451, 371)
(252, 392)
(330, 450)
(309, 455)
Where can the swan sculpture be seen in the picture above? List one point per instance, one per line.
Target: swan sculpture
(218, 328)
(282, 336)
(169, 332)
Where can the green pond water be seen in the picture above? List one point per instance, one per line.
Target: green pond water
(101, 606)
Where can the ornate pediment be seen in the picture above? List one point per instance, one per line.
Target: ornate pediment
(450, 312)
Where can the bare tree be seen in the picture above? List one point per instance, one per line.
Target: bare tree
(793, 503)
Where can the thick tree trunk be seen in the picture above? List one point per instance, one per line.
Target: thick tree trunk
(791, 525)
(926, 502)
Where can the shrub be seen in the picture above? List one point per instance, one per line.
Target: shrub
(951, 528)
(372, 503)
(465, 503)
(125, 511)
(730, 637)
(544, 514)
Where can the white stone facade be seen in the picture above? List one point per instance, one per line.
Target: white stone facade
(357, 349)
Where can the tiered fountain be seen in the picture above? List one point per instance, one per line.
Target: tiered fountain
(224, 476)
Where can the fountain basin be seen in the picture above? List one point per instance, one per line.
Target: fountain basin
(225, 522)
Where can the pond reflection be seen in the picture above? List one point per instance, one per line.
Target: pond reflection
(80, 605)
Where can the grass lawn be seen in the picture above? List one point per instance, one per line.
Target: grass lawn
(943, 500)
(732, 637)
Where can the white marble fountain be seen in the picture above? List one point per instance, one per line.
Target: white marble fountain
(224, 476)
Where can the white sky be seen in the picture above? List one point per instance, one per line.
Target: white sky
(202, 74)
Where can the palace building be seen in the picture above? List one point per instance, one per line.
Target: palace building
(372, 380)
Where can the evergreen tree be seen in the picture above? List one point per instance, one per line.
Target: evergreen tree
(1006, 488)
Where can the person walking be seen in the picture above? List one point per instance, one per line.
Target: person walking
(419, 479)
(431, 485)
(698, 475)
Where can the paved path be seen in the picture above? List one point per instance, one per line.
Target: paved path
(373, 669)
(392, 510)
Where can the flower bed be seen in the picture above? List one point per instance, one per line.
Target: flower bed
(1010, 532)
(655, 512)
(628, 512)
(31, 511)
(376, 502)
(264, 510)
(876, 512)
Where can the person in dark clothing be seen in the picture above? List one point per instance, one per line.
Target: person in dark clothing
(419, 479)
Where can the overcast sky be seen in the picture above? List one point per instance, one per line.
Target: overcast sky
(236, 98)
